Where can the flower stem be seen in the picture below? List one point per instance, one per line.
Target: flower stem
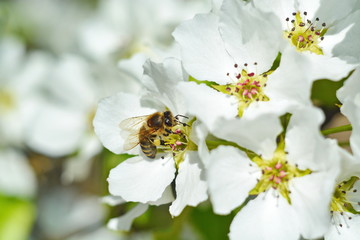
(337, 129)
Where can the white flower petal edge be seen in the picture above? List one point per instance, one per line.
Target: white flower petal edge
(231, 175)
(311, 196)
(203, 51)
(207, 104)
(110, 112)
(191, 186)
(257, 134)
(349, 95)
(161, 79)
(265, 218)
(243, 29)
(112, 200)
(124, 222)
(140, 180)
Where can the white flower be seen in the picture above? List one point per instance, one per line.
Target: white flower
(122, 28)
(319, 30)
(141, 179)
(229, 51)
(292, 179)
(20, 83)
(345, 205)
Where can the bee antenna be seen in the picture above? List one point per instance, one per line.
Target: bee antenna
(179, 115)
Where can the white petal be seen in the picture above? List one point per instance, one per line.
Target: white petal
(350, 229)
(124, 222)
(354, 197)
(57, 130)
(203, 51)
(16, 175)
(190, 184)
(167, 197)
(244, 28)
(348, 49)
(77, 168)
(207, 104)
(140, 180)
(112, 200)
(161, 80)
(281, 8)
(265, 218)
(258, 135)
(231, 175)
(310, 199)
(111, 111)
(331, 10)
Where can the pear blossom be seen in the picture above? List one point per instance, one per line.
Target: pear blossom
(322, 30)
(345, 202)
(288, 183)
(139, 178)
(228, 56)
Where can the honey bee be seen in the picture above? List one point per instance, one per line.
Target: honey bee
(145, 129)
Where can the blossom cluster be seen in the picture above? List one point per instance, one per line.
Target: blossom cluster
(231, 120)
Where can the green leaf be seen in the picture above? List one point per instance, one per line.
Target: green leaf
(16, 218)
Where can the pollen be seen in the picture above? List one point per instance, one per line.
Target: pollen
(246, 86)
(304, 34)
(277, 173)
(177, 141)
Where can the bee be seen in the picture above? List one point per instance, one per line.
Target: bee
(144, 130)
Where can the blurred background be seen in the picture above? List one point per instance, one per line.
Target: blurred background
(57, 59)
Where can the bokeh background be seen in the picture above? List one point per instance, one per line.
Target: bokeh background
(58, 58)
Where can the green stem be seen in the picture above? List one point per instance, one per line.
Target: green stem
(337, 129)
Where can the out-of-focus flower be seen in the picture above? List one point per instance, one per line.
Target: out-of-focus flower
(122, 28)
(64, 124)
(137, 179)
(291, 179)
(63, 212)
(21, 80)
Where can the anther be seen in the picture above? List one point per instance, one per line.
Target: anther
(245, 64)
(294, 13)
(301, 24)
(287, 19)
(324, 24)
(355, 190)
(305, 13)
(235, 65)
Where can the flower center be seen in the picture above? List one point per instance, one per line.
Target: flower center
(305, 34)
(7, 101)
(177, 141)
(246, 87)
(277, 173)
(340, 202)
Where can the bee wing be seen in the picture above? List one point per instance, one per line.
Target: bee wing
(133, 124)
(131, 141)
